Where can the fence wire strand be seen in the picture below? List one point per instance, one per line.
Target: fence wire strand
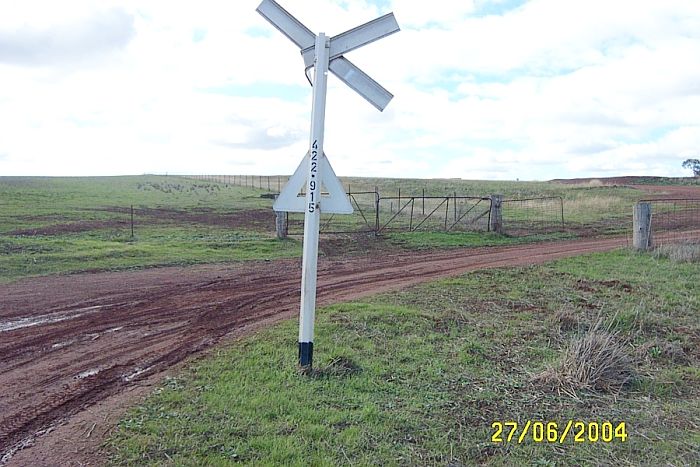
(674, 220)
(410, 213)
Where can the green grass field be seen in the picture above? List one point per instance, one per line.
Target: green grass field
(54, 225)
(418, 377)
(63, 225)
(38, 201)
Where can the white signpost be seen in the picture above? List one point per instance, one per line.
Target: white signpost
(314, 172)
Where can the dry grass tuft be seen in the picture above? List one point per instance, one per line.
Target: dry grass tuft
(679, 253)
(596, 361)
(599, 202)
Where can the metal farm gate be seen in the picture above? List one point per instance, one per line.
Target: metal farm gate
(531, 216)
(362, 220)
(377, 214)
(433, 213)
(674, 220)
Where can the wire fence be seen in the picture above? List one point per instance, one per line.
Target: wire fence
(533, 215)
(675, 220)
(374, 213)
(272, 183)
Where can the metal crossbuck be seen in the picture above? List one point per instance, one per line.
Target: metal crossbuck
(340, 66)
(323, 54)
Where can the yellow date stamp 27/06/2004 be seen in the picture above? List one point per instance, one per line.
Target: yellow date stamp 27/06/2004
(553, 432)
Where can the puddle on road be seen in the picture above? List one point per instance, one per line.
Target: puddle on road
(86, 373)
(47, 319)
(137, 371)
(62, 344)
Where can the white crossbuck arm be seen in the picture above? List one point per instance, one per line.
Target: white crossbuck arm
(356, 37)
(287, 24)
(344, 42)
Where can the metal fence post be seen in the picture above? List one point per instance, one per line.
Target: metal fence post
(376, 210)
(447, 210)
(561, 205)
(496, 214)
(455, 207)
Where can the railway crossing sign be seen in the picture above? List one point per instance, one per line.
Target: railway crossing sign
(335, 202)
(315, 172)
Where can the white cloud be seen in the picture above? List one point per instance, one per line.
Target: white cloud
(553, 88)
(436, 14)
(62, 37)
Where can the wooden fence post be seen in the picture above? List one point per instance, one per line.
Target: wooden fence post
(641, 227)
(281, 224)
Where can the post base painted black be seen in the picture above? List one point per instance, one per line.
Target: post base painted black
(306, 354)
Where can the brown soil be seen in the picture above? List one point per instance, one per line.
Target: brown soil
(671, 191)
(78, 349)
(646, 191)
(251, 219)
(623, 180)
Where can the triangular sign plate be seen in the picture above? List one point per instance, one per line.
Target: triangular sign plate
(335, 202)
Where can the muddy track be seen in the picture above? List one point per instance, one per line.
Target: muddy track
(68, 342)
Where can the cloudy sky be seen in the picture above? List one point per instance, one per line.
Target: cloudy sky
(484, 89)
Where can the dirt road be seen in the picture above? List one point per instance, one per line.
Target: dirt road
(71, 343)
(670, 191)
